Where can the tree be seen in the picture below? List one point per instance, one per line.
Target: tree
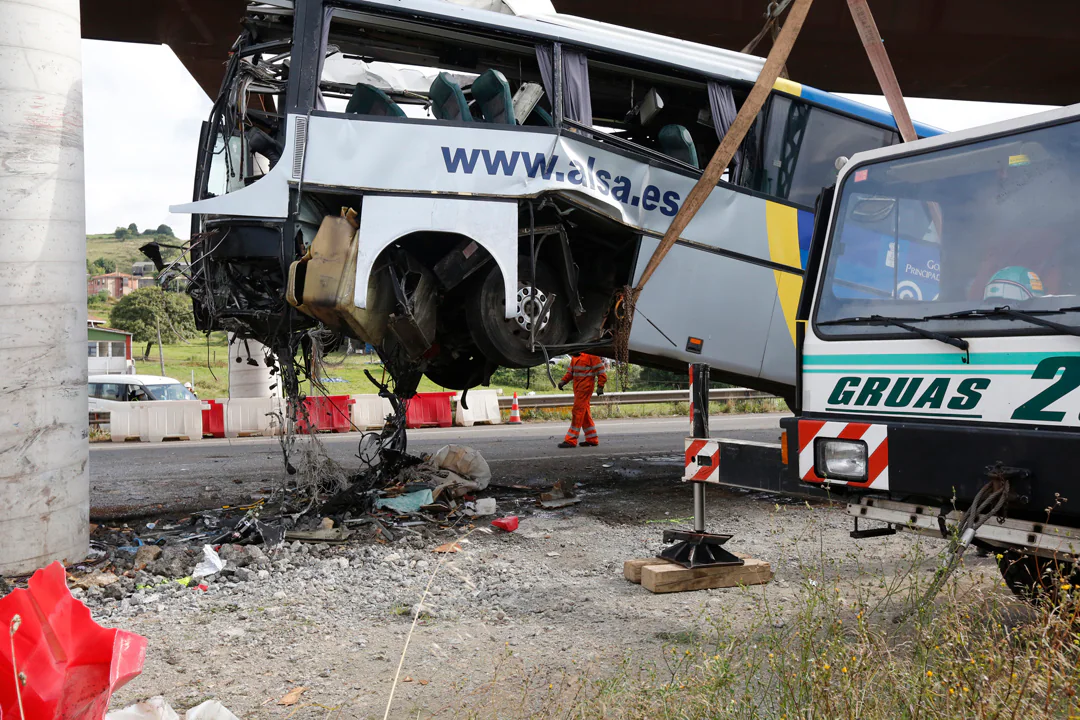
(133, 229)
(120, 233)
(147, 311)
(149, 231)
(101, 266)
(164, 230)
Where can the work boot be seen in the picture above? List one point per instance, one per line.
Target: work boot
(592, 444)
(565, 444)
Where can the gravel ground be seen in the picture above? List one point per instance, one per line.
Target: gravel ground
(549, 597)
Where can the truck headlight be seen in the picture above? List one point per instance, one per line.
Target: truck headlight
(840, 459)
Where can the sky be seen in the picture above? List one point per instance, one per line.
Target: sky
(142, 113)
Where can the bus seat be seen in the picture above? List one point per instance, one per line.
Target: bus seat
(540, 116)
(492, 94)
(676, 142)
(448, 101)
(370, 100)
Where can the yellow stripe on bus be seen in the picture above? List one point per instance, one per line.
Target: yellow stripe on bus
(782, 227)
(788, 86)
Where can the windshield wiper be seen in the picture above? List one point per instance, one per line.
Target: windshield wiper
(1032, 317)
(904, 324)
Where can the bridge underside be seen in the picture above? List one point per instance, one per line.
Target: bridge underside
(993, 50)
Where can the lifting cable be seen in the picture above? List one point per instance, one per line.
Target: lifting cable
(732, 138)
(989, 502)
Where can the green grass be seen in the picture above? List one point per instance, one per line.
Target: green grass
(830, 649)
(183, 362)
(126, 251)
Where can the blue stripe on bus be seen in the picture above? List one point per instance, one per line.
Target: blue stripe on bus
(851, 107)
(806, 232)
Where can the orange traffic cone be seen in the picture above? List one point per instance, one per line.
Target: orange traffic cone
(515, 413)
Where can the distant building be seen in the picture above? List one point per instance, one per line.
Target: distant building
(114, 284)
(143, 267)
(146, 281)
(92, 321)
(108, 351)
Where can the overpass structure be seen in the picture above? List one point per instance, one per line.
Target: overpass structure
(993, 50)
(990, 50)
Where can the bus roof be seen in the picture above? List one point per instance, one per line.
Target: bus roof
(693, 57)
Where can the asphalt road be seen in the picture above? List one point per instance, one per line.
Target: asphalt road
(143, 479)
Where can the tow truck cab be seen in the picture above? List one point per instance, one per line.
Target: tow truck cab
(937, 342)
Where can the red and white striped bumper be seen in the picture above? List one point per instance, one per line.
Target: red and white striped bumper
(702, 461)
(876, 438)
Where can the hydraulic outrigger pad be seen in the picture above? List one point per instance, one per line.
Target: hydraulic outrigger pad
(697, 548)
(694, 550)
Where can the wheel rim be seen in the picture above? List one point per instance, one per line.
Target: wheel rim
(530, 303)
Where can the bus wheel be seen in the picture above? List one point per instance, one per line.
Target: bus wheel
(506, 341)
(465, 371)
(1035, 577)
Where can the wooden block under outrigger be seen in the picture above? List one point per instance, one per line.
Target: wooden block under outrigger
(662, 576)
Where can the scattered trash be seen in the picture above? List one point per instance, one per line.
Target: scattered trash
(292, 697)
(464, 462)
(407, 503)
(424, 682)
(326, 523)
(508, 523)
(607, 465)
(334, 536)
(211, 563)
(156, 708)
(153, 709)
(93, 579)
(450, 547)
(560, 496)
(554, 554)
(407, 679)
(482, 507)
(71, 664)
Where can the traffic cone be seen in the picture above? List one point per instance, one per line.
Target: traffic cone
(515, 413)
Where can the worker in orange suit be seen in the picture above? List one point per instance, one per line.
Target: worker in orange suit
(587, 372)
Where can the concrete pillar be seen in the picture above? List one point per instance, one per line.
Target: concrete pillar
(246, 380)
(44, 485)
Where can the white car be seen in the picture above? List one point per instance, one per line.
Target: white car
(108, 390)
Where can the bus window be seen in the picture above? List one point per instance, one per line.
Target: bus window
(653, 111)
(375, 68)
(801, 144)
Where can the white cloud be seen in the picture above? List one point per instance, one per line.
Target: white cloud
(142, 112)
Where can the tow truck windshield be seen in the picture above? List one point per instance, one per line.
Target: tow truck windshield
(983, 232)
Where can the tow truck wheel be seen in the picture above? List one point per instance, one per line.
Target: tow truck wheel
(1035, 577)
(506, 341)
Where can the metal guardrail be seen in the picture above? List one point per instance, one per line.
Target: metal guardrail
(643, 397)
(99, 418)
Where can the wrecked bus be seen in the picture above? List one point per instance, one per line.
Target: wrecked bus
(466, 189)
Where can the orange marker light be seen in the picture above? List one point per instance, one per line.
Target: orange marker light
(783, 447)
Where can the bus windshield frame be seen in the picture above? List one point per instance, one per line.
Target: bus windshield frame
(960, 239)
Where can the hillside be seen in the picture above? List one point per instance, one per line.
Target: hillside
(126, 251)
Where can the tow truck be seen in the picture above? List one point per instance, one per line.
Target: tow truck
(938, 363)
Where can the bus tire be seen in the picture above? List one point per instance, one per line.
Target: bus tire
(1034, 577)
(505, 341)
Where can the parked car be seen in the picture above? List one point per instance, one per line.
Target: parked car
(107, 390)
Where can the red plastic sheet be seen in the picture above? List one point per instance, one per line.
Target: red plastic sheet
(71, 664)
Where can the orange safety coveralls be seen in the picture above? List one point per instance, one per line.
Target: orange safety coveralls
(586, 371)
